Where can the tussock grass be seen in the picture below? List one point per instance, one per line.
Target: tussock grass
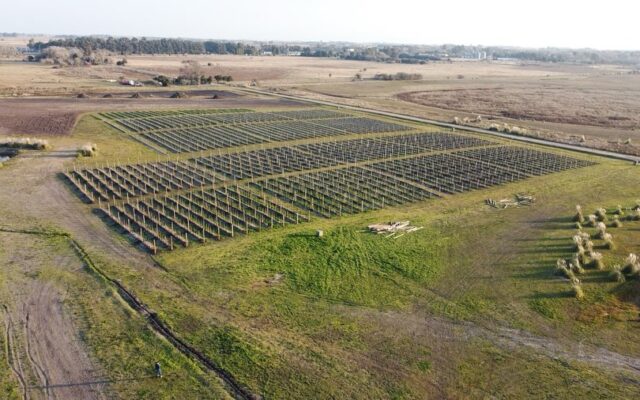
(596, 261)
(576, 268)
(608, 241)
(588, 247)
(601, 214)
(576, 288)
(592, 220)
(631, 265)
(579, 217)
(577, 241)
(617, 275)
(601, 230)
(616, 222)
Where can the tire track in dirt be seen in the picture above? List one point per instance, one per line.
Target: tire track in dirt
(42, 375)
(12, 354)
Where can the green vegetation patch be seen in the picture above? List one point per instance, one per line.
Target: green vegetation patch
(354, 266)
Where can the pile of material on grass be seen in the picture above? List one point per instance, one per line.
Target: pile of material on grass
(179, 95)
(394, 229)
(517, 201)
(82, 96)
(136, 96)
(107, 96)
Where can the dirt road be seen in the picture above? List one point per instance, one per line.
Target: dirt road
(48, 356)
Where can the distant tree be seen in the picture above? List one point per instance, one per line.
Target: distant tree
(163, 80)
(191, 71)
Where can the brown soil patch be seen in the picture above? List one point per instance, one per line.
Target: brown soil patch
(58, 115)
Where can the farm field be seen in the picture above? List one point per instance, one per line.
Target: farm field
(237, 192)
(561, 102)
(230, 198)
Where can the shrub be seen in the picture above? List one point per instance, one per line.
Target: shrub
(400, 76)
(592, 220)
(24, 143)
(162, 80)
(601, 214)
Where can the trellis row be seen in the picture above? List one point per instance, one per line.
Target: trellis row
(125, 181)
(448, 173)
(356, 150)
(162, 222)
(342, 191)
(528, 161)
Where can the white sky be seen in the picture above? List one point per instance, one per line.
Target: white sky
(610, 24)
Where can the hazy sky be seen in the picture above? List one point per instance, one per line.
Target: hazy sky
(610, 24)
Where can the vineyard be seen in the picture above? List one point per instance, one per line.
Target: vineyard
(345, 164)
(163, 221)
(199, 130)
(343, 191)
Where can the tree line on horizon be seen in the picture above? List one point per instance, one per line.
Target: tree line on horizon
(386, 53)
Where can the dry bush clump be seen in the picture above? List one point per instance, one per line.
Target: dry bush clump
(87, 150)
(506, 128)
(24, 143)
(593, 220)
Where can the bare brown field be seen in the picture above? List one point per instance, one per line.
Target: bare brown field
(559, 102)
(58, 115)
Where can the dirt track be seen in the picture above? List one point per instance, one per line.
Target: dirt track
(48, 356)
(46, 339)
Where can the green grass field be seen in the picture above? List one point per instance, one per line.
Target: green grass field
(468, 307)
